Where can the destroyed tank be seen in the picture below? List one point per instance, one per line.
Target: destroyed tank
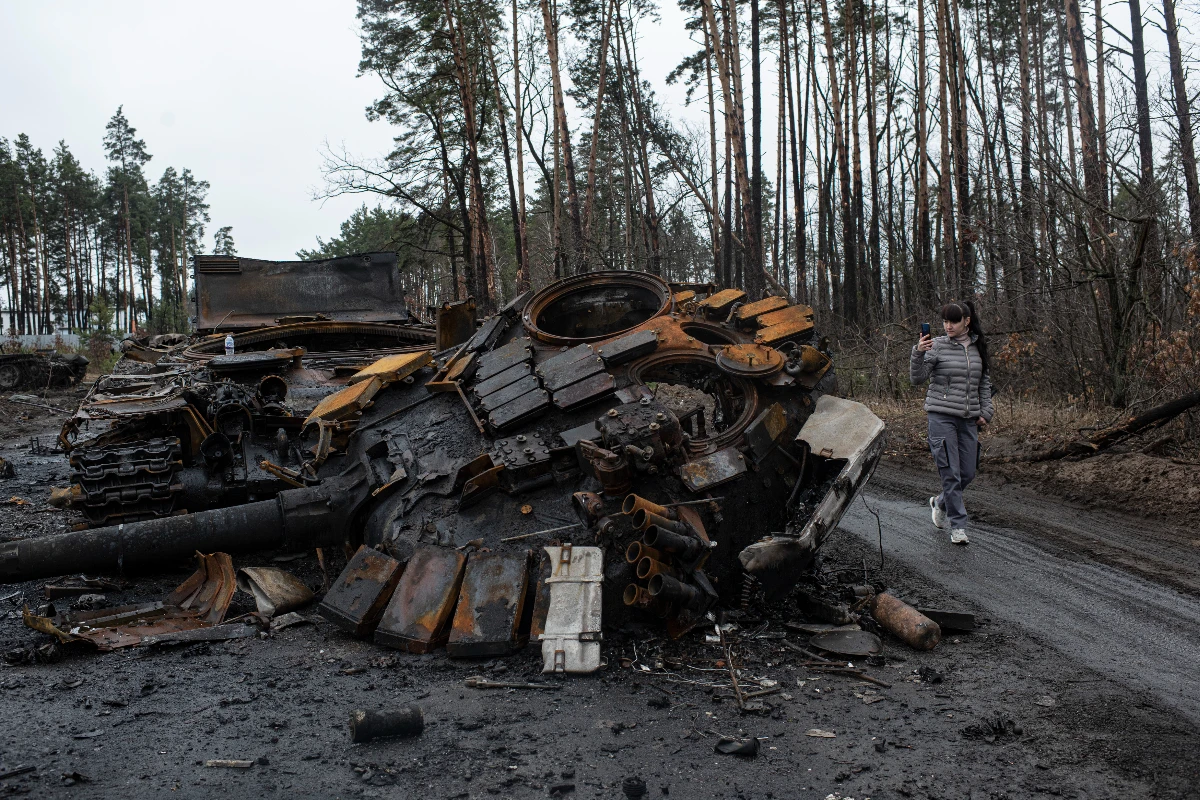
(181, 426)
(41, 370)
(691, 434)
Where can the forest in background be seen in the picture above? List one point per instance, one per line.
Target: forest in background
(80, 250)
(872, 158)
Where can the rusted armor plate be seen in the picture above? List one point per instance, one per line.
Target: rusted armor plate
(627, 348)
(524, 408)
(509, 393)
(358, 597)
(418, 617)
(784, 331)
(393, 368)
(498, 382)
(713, 469)
(718, 305)
(568, 356)
(500, 359)
(491, 603)
(585, 390)
(556, 377)
(789, 314)
(346, 402)
(765, 430)
(750, 311)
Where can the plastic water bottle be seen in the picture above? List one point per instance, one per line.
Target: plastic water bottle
(229, 344)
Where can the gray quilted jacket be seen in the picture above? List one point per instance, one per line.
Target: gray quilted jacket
(958, 385)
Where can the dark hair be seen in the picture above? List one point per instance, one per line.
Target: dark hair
(954, 312)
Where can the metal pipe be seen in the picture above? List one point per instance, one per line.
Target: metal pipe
(643, 519)
(137, 545)
(637, 550)
(677, 544)
(649, 567)
(664, 587)
(633, 503)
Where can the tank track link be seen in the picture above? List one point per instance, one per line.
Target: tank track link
(127, 483)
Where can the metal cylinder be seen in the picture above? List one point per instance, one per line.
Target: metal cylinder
(637, 550)
(649, 567)
(137, 545)
(686, 547)
(905, 622)
(614, 475)
(635, 595)
(643, 519)
(633, 503)
(667, 589)
(368, 725)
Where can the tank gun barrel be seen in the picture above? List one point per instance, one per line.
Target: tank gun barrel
(297, 518)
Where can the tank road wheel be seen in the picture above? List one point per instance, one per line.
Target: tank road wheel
(10, 377)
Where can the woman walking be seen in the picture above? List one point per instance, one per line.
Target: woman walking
(957, 403)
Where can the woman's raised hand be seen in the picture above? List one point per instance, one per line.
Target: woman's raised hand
(925, 344)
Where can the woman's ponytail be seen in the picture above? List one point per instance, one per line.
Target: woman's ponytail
(976, 328)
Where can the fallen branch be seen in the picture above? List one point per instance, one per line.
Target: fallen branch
(1147, 420)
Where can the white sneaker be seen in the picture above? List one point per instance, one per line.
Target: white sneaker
(959, 536)
(939, 514)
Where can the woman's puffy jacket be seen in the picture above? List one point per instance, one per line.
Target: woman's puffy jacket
(958, 385)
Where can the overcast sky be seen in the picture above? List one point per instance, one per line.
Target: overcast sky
(242, 93)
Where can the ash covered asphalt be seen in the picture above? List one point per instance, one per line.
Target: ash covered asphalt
(1076, 684)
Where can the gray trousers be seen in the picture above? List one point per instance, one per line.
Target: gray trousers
(954, 442)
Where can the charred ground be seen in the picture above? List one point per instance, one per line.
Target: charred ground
(1011, 716)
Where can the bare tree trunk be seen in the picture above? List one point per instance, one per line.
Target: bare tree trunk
(482, 275)
(1142, 102)
(754, 282)
(873, 157)
(1101, 110)
(590, 195)
(1092, 177)
(712, 136)
(564, 132)
(950, 269)
(725, 52)
(850, 268)
(923, 256)
(502, 117)
(1187, 149)
(650, 220)
(522, 233)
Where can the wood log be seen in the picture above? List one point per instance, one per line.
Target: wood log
(1147, 420)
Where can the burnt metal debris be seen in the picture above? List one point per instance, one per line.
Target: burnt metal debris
(41, 370)
(578, 440)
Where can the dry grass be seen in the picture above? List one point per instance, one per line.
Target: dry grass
(1022, 426)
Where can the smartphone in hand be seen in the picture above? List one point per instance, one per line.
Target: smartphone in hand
(924, 328)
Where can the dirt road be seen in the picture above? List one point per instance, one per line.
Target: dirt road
(1089, 584)
(1076, 684)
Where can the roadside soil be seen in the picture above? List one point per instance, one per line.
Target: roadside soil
(1006, 711)
(1153, 476)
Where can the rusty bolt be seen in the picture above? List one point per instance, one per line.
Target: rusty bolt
(654, 425)
(660, 416)
(528, 451)
(612, 412)
(521, 437)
